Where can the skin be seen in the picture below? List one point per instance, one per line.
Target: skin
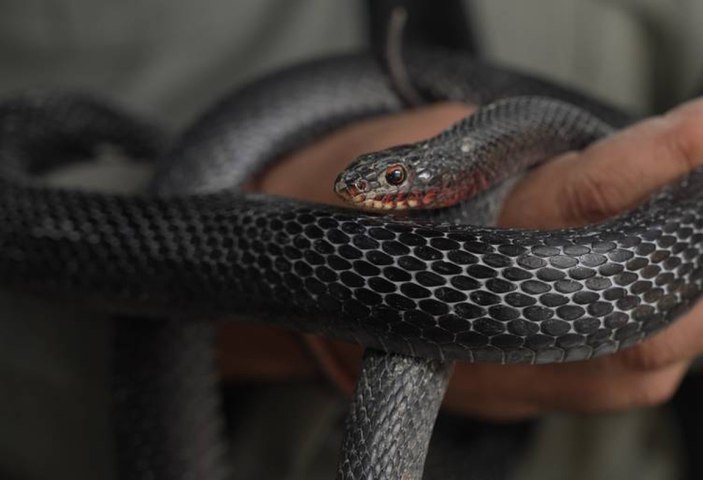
(574, 189)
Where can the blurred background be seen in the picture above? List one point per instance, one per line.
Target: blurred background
(170, 59)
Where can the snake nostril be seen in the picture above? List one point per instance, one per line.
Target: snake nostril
(361, 185)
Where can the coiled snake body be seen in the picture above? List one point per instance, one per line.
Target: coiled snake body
(199, 247)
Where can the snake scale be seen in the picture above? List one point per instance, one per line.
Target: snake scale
(428, 292)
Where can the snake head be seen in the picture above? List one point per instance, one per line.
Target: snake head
(398, 178)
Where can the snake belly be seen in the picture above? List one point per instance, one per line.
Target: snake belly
(413, 287)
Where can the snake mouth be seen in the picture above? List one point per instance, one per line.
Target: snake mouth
(351, 194)
(369, 201)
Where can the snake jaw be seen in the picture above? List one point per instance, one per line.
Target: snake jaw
(370, 201)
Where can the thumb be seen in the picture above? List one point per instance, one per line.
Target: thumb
(610, 176)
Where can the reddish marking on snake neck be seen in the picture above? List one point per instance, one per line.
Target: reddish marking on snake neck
(429, 197)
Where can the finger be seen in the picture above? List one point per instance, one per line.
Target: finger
(681, 341)
(495, 409)
(602, 386)
(610, 176)
(521, 391)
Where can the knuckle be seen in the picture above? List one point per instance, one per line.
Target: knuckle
(680, 140)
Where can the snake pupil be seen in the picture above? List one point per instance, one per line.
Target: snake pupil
(395, 174)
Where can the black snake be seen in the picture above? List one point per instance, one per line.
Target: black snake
(430, 293)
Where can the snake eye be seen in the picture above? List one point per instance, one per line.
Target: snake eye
(395, 174)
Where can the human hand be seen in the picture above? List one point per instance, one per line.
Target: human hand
(577, 188)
